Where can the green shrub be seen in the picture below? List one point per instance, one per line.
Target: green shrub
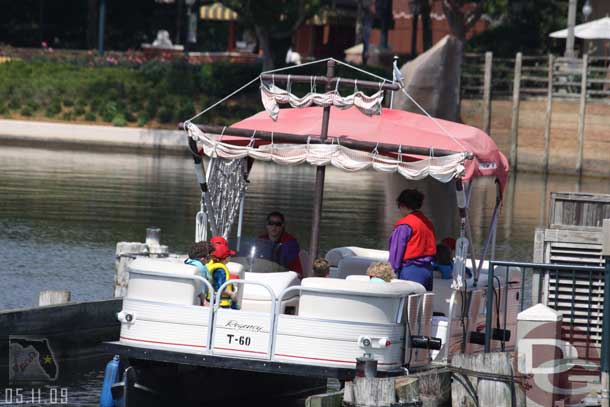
(3, 108)
(53, 109)
(68, 102)
(186, 111)
(90, 116)
(109, 111)
(79, 110)
(165, 114)
(66, 116)
(14, 103)
(119, 120)
(151, 109)
(26, 111)
(130, 117)
(142, 120)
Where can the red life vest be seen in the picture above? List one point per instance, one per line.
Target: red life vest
(422, 241)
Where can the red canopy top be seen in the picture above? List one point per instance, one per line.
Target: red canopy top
(393, 127)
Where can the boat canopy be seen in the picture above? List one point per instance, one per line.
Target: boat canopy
(475, 153)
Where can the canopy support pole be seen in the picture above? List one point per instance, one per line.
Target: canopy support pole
(314, 241)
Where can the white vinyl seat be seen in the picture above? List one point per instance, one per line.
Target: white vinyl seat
(256, 298)
(169, 289)
(359, 301)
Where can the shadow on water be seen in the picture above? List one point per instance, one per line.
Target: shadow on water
(62, 212)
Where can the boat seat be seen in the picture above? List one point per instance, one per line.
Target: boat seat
(256, 298)
(334, 256)
(358, 301)
(170, 289)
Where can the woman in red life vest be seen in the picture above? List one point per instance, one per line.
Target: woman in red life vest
(412, 242)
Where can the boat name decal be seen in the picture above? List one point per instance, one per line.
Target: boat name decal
(248, 327)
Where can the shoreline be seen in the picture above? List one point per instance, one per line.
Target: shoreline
(40, 134)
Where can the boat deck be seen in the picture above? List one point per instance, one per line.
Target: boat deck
(224, 362)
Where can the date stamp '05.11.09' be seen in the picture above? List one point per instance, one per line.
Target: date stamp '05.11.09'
(32, 369)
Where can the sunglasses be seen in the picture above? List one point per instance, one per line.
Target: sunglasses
(271, 223)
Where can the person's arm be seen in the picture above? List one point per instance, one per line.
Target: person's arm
(398, 244)
(290, 256)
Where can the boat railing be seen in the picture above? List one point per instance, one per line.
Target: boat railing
(202, 280)
(273, 305)
(575, 291)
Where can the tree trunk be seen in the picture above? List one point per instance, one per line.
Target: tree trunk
(426, 25)
(414, 35)
(92, 11)
(264, 41)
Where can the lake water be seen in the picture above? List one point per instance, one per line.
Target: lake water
(62, 212)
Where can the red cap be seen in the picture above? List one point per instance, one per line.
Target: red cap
(222, 252)
(449, 242)
(219, 240)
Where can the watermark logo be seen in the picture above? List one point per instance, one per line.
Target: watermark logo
(31, 359)
(560, 367)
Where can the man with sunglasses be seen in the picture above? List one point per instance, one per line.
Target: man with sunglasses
(284, 248)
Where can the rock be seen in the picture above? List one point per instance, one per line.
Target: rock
(433, 80)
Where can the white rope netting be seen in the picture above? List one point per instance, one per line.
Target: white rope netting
(272, 96)
(443, 169)
(227, 183)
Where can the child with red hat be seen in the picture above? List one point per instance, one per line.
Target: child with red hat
(218, 271)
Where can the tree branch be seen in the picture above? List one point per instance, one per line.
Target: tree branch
(473, 16)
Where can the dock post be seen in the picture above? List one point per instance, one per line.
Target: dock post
(487, 92)
(127, 251)
(53, 297)
(582, 114)
(605, 356)
(514, 125)
(548, 115)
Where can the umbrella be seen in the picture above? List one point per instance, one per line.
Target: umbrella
(593, 30)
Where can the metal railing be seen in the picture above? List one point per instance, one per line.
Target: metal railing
(575, 291)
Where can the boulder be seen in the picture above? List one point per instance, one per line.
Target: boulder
(433, 80)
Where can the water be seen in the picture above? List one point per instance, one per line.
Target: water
(62, 212)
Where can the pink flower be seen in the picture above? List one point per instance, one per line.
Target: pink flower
(44, 44)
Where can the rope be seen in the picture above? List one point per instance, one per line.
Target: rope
(222, 100)
(207, 109)
(360, 70)
(431, 118)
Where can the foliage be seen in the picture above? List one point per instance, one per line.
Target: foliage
(90, 116)
(274, 22)
(165, 91)
(521, 25)
(119, 120)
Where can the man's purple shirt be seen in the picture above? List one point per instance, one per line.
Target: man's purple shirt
(398, 244)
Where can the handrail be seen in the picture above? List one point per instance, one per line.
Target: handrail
(524, 266)
(272, 313)
(188, 277)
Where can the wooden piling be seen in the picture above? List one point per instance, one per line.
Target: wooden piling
(373, 391)
(470, 390)
(53, 297)
(582, 112)
(514, 125)
(549, 111)
(487, 92)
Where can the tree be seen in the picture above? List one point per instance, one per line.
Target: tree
(521, 25)
(421, 8)
(274, 22)
(462, 15)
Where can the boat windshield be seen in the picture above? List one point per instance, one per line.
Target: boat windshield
(261, 256)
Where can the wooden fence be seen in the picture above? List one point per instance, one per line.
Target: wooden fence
(525, 77)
